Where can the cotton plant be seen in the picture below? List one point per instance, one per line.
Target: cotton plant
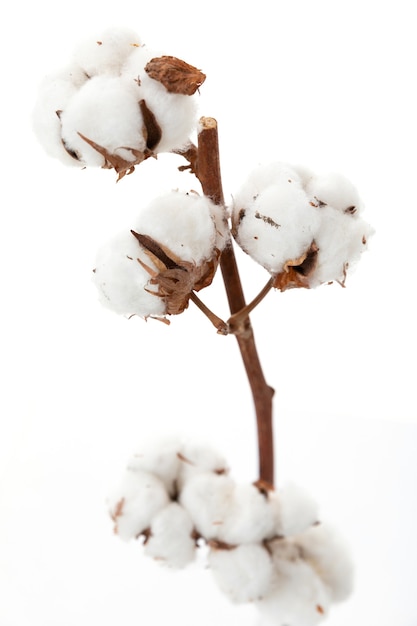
(116, 104)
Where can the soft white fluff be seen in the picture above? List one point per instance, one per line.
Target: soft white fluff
(298, 510)
(135, 501)
(171, 540)
(106, 111)
(207, 497)
(107, 51)
(244, 573)
(335, 190)
(250, 517)
(185, 223)
(327, 552)
(122, 282)
(199, 458)
(297, 597)
(54, 94)
(160, 457)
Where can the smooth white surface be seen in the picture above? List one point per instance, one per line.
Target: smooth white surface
(326, 84)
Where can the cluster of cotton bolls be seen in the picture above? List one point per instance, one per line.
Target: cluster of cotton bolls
(305, 229)
(264, 546)
(116, 103)
(172, 250)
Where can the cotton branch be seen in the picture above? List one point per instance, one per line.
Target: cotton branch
(209, 175)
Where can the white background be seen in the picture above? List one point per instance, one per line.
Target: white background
(330, 85)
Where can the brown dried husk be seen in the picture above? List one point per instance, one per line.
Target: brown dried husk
(175, 278)
(297, 272)
(175, 75)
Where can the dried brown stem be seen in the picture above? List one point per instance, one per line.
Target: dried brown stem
(209, 174)
(235, 320)
(217, 322)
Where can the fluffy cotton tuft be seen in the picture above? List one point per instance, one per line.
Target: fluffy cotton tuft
(243, 573)
(107, 52)
(304, 229)
(207, 497)
(189, 225)
(298, 510)
(106, 112)
(325, 550)
(171, 540)
(161, 458)
(134, 503)
(297, 595)
(122, 282)
(250, 517)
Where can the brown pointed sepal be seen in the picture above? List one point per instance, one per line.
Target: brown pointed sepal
(175, 75)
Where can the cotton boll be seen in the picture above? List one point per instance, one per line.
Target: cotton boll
(327, 553)
(277, 225)
(244, 573)
(106, 52)
(298, 510)
(162, 458)
(341, 240)
(206, 497)
(106, 111)
(170, 540)
(250, 517)
(186, 224)
(122, 283)
(54, 94)
(297, 596)
(335, 190)
(134, 503)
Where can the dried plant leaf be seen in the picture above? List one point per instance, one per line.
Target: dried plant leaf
(296, 272)
(118, 163)
(175, 75)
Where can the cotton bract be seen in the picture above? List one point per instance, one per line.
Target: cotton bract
(304, 229)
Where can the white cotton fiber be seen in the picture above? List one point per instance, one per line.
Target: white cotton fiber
(106, 52)
(297, 597)
(106, 111)
(279, 224)
(55, 92)
(186, 224)
(298, 510)
(160, 457)
(244, 573)
(134, 503)
(170, 540)
(335, 190)
(341, 240)
(250, 517)
(198, 458)
(207, 498)
(327, 553)
(122, 282)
